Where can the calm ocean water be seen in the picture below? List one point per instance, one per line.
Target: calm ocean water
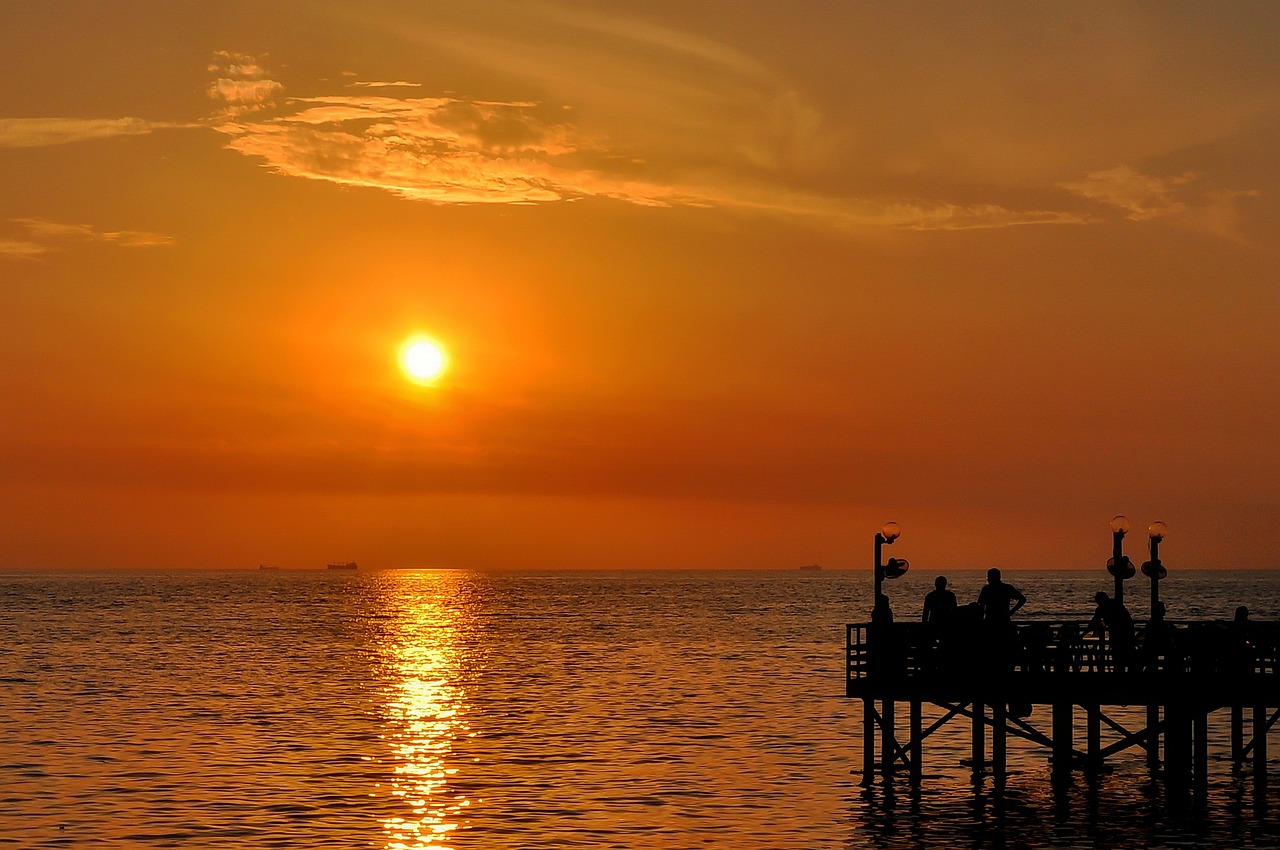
(412, 709)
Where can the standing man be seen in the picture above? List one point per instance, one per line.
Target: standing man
(997, 624)
(939, 617)
(995, 599)
(939, 603)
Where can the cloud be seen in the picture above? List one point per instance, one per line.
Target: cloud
(20, 249)
(52, 230)
(443, 150)
(1140, 196)
(133, 238)
(1180, 198)
(1220, 213)
(972, 217)
(240, 65)
(381, 85)
(40, 236)
(676, 119)
(42, 132)
(451, 150)
(242, 84)
(251, 93)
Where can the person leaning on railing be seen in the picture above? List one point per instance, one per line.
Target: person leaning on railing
(1239, 642)
(1119, 625)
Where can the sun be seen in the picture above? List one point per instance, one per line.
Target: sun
(423, 359)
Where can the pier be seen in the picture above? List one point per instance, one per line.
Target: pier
(1037, 679)
(1047, 677)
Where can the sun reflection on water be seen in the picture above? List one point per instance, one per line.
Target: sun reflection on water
(427, 708)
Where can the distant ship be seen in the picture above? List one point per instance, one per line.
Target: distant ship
(267, 567)
(811, 567)
(349, 565)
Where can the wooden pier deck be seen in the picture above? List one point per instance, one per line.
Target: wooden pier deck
(1035, 678)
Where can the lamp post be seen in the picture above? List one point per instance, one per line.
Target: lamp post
(896, 566)
(1153, 569)
(1119, 566)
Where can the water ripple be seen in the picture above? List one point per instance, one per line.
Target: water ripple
(448, 709)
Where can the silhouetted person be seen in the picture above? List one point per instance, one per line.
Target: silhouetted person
(1159, 646)
(1119, 624)
(939, 618)
(939, 604)
(997, 628)
(1239, 641)
(995, 599)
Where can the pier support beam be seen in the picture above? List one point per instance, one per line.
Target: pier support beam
(1153, 736)
(868, 741)
(1177, 743)
(1260, 741)
(917, 745)
(888, 738)
(1237, 734)
(1093, 732)
(999, 736)
(979, 737)
(1200, 769)
(1063, 738)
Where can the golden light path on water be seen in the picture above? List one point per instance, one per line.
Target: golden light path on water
(426, 709)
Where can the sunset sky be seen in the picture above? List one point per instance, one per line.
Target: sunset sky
(722, 284)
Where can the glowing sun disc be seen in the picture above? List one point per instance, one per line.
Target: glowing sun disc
(423, 359)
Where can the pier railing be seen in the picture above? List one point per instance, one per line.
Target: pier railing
(1050, 654)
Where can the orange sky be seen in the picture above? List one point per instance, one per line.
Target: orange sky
(724, 284)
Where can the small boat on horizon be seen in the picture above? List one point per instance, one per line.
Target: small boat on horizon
(348, 565)
(811, 567)
(267, 567)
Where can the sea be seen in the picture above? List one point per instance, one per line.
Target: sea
(460, 709)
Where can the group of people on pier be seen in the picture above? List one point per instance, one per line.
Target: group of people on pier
(981, 635)
(997, 603)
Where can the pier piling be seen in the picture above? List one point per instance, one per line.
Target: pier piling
(917, 741)
(1260, 741)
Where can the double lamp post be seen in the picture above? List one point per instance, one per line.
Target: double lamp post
(1118, 565)
(1121, 567)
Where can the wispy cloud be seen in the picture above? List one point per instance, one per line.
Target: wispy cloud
(454, 150)
(241, 84)
(1140, 196)
(239, 65)
(1220, 213)
(1182, 198)
(21, 249)
(244, 93)
(38, 236)
(399, 84)
(431, 149)
(971, 217)
(42, 132)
